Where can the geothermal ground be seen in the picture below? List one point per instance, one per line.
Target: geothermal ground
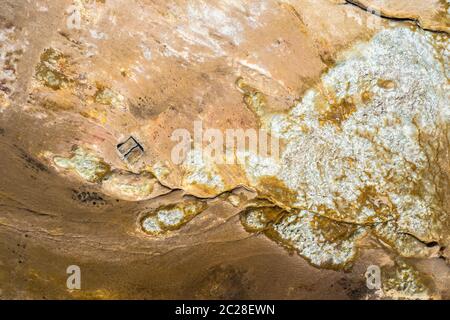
(127, 155)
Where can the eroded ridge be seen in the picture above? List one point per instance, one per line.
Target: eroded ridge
(171, 217)
(118, 183)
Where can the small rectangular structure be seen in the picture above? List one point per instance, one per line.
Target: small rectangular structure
(131, 150)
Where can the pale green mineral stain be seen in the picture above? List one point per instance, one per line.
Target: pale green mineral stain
(49, 71)
(403, 281)
(86, 165)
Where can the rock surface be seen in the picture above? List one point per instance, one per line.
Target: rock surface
(354, 92)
